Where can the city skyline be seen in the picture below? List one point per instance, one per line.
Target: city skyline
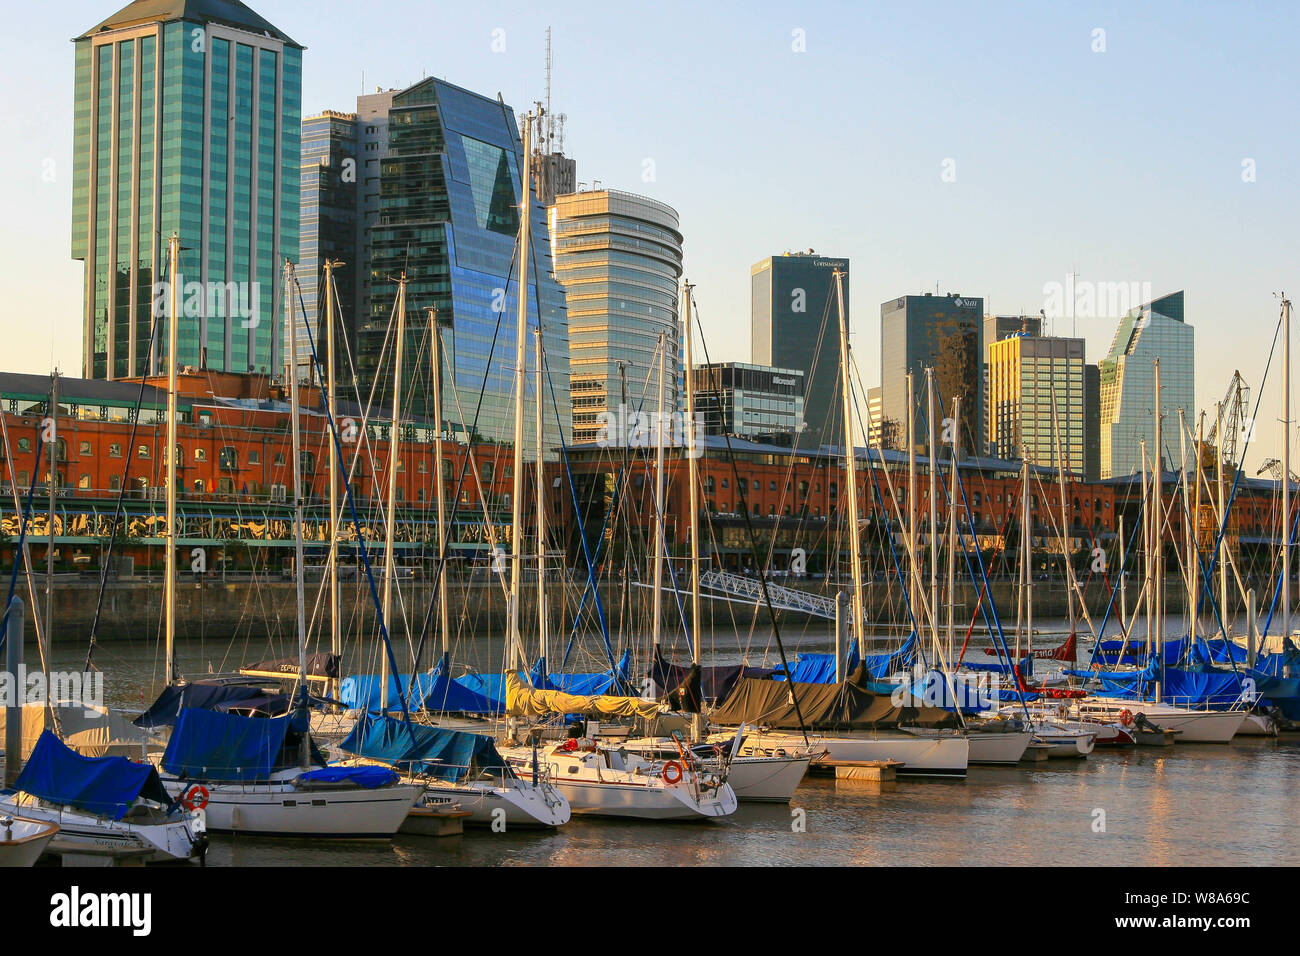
(1034, 214)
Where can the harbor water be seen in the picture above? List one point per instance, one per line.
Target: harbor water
(1185, 805)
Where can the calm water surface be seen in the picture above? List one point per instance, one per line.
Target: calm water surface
(1187, 805)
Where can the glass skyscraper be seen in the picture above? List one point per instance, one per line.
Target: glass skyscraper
(329, 214)
(619, 258)
(943, 332)
(795, 324)
(186, 120)
(1155, 330)
(448, 217)
(1029, 374)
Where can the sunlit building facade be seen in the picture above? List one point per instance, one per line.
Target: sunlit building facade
(1036, 399)
(187, 121)
(943, 332)
(619, 258)
(1158, 329)
(448, 218)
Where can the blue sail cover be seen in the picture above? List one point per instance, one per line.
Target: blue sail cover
(1126, 684)
(440, 753)
(820, 668)
(368, 778)
(1217, 690)
(106, 786)
(883, 665)
(213, 746)
(164, 711)
(612, 681)
(1109, 651)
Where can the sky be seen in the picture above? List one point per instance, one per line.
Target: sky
(985, 149)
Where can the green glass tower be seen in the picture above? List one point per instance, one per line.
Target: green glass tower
(186, 120)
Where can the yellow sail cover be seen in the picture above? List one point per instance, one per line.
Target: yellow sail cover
(523, 701)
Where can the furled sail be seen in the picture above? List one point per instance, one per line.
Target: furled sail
(523, 701)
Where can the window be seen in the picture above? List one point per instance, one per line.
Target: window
(278, 491)
(114, 482)
(200, 454)
(254, 457)
(143, 451)
(446, 469)
(24, 444)
(307, 462)
(279, 458)
(422, 468)
(84, 482)
(83, 449)
(228, 458)
(226, 486)
(198, 486)
(485, 472)
(114, 450)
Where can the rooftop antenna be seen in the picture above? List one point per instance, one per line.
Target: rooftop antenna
(548, 129)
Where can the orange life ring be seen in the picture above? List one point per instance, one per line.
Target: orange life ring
(569, 745)
(672, 772)
(196, 797)
(1126, 718)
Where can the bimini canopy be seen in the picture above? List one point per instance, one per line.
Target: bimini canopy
(208, 745)
(441, 753)
(523, 701)
(107, 786)
(827, 707)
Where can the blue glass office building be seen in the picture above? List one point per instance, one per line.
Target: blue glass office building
(328, 231)
(449, 218)
(186, 120)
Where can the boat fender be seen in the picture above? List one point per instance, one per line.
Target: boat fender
(672, 773)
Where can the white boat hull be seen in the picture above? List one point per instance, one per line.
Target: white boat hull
(758, 779)
(277, 808)
(24, 840)
(511, 806)
(947, 756)
(1258, 725)
(86, 834)
(645, 802)
(1192, 726)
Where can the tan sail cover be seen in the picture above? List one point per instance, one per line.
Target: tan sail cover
(523, 701)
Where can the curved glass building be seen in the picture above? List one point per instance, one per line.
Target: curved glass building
(619, 258)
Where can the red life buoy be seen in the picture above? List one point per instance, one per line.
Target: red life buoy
(196, 797)
(1126, 717)
(672, 772)
(569, 745)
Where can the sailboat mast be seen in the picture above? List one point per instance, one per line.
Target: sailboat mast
(521, 361)
(541, 507)
(47, 633)
(1027, 557)
(693, 479)
(1158, 495)
(851, 469)
(952, 530)
(1286, 469)
(390, 507)
(914, 578)
(439, 489)
(336, 466)
(693, 499)
(656, 624)
(1221, 553)
(295, 440)
(1147, 583)
(934, 507)
(169, 542)
(1065, 514)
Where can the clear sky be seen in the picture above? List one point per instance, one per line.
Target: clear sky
(988, 149)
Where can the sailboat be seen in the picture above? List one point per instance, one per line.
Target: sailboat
(765, 777)
(258, 774)
(847, 721)
(1124, 696)
(101, 806)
